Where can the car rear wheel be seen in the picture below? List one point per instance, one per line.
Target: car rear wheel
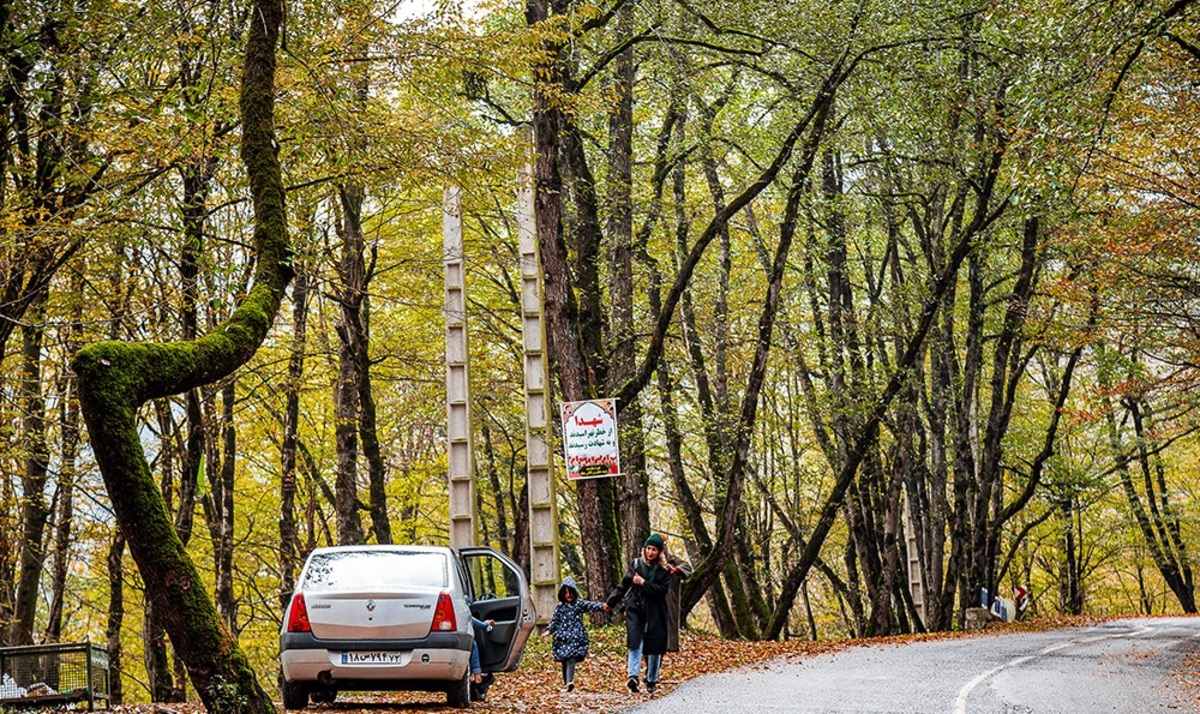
(294, 696)
(459, 693)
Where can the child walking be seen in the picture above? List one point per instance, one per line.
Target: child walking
(570, 636)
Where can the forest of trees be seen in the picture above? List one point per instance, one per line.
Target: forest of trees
(871, 281)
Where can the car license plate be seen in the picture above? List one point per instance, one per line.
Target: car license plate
(372, 658)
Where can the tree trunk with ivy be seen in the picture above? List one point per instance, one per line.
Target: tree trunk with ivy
(116, 378)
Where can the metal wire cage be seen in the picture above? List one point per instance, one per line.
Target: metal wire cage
(53, 675)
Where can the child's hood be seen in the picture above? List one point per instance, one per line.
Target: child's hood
(568, 582)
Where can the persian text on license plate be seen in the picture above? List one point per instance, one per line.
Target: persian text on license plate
(372, 658)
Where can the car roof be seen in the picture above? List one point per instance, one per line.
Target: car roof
(388, 547)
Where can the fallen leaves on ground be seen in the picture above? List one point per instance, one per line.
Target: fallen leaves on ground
(1187, 677)
(537, 686)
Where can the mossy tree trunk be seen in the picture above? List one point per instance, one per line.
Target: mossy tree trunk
(116, 378)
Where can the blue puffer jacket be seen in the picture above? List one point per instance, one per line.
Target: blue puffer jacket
(570, 635)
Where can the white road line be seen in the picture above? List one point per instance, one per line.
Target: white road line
(1136, 633)
(960, 704)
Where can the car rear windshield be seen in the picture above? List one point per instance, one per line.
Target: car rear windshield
(355, 570)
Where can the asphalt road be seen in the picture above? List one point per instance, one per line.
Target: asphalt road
(1123, 666)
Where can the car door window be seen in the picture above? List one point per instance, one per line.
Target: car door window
(490, 580)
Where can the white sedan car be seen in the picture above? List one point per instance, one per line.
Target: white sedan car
(391, 617)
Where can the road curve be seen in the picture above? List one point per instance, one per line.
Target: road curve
(1124, 666)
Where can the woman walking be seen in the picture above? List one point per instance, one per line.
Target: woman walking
(644, 592)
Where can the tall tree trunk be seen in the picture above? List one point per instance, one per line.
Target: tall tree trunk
(1071, 595)
(42, 133)
(741, 591)
(521, 530)
(1009, 364)
(575, 377)
(35, 512)
(491, 469)
(197, 177)
(68, 473)
(218, 505)
(63, 538)
(156, 657)
(350, 270)
(633, 498)
(368, 429)
(156, 654)
(358, 315)
(732, 611)
(10, 552)
(116, 617)
(675, 129)
(888, 612)
(289, 537)
(846, 368)
(115, 379)
(952, 410)
(116, 550)
(598, 500)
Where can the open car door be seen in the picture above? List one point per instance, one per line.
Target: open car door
(499, 592)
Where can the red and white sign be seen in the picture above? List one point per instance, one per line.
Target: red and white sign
(590, 438)
(1021, 595)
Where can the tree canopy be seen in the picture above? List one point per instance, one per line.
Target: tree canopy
(898, 302)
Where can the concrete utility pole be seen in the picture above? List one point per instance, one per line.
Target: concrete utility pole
(463, 525)
(916, 583)
(543, 513)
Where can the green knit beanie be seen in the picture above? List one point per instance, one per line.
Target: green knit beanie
(655, 540)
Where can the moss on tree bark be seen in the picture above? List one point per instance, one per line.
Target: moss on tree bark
(116, 378)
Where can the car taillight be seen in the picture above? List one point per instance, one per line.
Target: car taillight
(298, 615)
(443, 615)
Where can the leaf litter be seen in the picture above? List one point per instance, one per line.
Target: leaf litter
(537, 686)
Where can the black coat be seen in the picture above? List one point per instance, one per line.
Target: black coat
(645, 607)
